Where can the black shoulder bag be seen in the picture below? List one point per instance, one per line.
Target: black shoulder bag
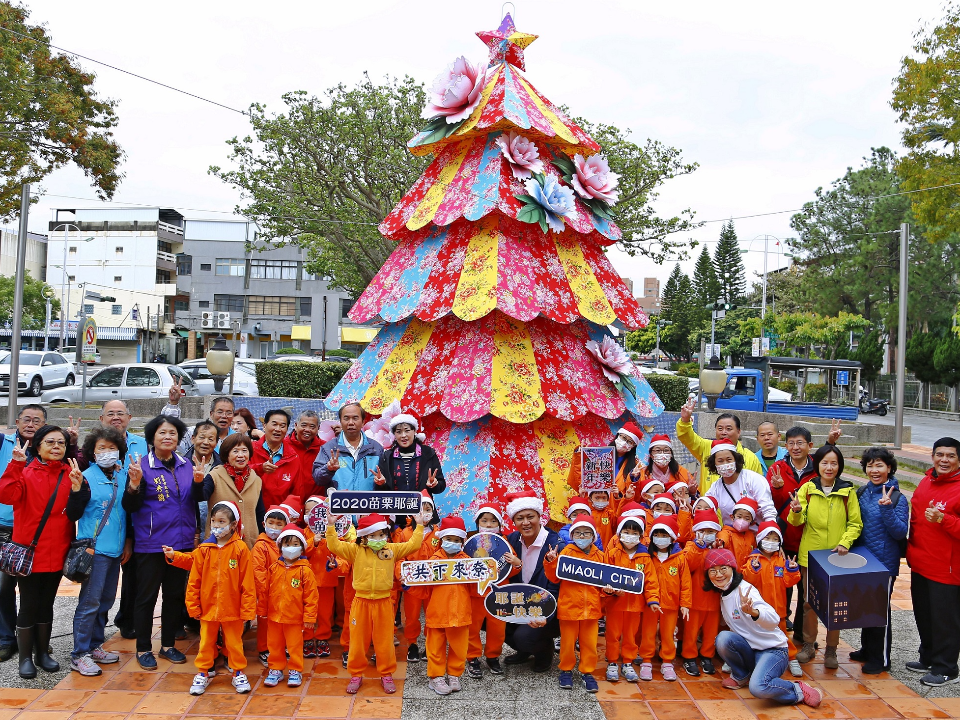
(78, 564)
(17, 559)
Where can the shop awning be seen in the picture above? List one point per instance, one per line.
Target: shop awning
(181, 333)
(358, 334)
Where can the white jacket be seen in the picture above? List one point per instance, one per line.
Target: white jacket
(748, 484)
(763, 633)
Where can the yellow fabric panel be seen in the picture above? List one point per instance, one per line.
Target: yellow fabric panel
(558, 440)
(478, 110)
(556, 123)
(477, 287)
(516, 395)
(591, 300)
(392, 380)
(431, 201)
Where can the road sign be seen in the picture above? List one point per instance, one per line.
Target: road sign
(87, 349)
(711, 350)
(755, 350)
(843, 377)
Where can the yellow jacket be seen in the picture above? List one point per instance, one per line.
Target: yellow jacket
(373, 572)
(699, 447)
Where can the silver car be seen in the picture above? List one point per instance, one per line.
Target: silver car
(244, 380)
(38, 370)
(132, 381)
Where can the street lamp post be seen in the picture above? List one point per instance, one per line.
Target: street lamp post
(766, 238)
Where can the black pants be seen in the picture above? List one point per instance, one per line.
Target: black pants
(153, 574)
(38, 590)
(875, 641)
(124, 618)
(536, 641)
(8, 609)
(798, 614)
(936, 608)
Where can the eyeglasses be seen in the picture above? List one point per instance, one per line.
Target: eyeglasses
(55, 443)
(116, 414)
(31, 420)
(717, 571)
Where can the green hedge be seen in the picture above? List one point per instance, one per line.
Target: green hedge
(672, 390)
(815, 392)
(290, 351)
(341, 353)
(299, 379)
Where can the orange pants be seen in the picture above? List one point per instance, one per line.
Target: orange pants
(338, 619)
(348, 594)
(324, 615)
(496, 631)
(791, 648)
(412, 605)
(371, 620)
(709, 622)
(285, 638)
(440, 660)
(586, 631)
(232, 644)
(263, 630)
(622, 636)
(648, 645)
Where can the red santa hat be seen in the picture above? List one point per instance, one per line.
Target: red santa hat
(294, 507)
(277, 510)
(624, 519)
(292, 530)
(526, 500)
(660, 441)
(631, 431)
(676, 485)
(409, 418)
(632, 509)
(748, 504)
(371, 523)
(649, 484)
(427, 497)
(488, 508)
(767, 527)
(668, 523)
(453, 526)
(706, 520)
(584, 521)
(234, 510)
(718, 445)
(710, 500)
(664, 498)
(577, 503)
(319, 499)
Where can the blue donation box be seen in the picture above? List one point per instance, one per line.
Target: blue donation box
(848, 591)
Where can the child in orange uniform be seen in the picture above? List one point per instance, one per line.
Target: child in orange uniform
(264, 554)
(326, 570)
(705, 610)
(371, 614)
(771, 572)
(675, 598)
(664, 504)
(623, 610)
(220, 593)
(448, 615)
(291, 605)
(603, 509)
(739, 537)
(414, 598)
(578, 607)
(489, 520)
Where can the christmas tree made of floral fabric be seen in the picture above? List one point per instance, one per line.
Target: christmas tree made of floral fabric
(497, 299)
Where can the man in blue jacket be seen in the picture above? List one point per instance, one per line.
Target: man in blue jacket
(347, 462)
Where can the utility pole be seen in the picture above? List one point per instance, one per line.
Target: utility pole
(902, 334)
(18, 306)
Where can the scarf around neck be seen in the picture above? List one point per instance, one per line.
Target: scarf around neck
(239, 476)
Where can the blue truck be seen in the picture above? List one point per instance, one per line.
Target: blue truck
(748, 388)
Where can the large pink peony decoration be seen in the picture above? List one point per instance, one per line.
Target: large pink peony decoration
(593, 179)
(326, 433)
(456, 91)
(614, 361)
(521, 153)
(379, 428)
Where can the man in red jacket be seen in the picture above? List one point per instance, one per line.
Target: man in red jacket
(275, 460)
(306, 444)
(933, 553)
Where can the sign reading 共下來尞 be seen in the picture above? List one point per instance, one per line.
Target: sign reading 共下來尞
(455, 571)
(364, 502)
(588, 572)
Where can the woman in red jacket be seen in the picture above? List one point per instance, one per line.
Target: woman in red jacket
(29, 487)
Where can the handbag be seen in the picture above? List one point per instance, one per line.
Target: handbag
(78, 564)
(16, 559)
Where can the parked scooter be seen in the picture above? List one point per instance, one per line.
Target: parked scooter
(875, 406)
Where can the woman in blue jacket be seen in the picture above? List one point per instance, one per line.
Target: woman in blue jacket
(886, 517)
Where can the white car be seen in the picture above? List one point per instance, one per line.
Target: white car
(244, 379)
(132, 381)
(38, 370)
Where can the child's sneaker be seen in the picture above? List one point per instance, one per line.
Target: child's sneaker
(343, 659)
(629, 674)
(389, 686)
(474, 669)
(725, 668)
(453, 682)
(666, 669)
(413, 653)
(200, 682)
(646, 671)
(439, 685)
(602, 627)
(566, 680)
(707, 665)
(273, 678)
(294, 679)
(323, 648)
(795, 669)
(590, 684)
(240, 682)
(691, 668)
(613, 672)
(494, 665)
(353, 687)
(309, 649)
(264, 658)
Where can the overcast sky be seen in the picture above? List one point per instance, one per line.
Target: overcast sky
(771, 99)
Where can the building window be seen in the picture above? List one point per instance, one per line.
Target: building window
(164, 246)
(163, 277)
(205, 267)
(182, 305)
(229, 303)
(277, 306)
(71, 278)
(118, 278)
(233, 267)
(116, 310)
(345, 306)
(73, 249)
(88, 309)
(119, 250)
(273, 269)
(306, 306)
(184, 264)
(203, 304)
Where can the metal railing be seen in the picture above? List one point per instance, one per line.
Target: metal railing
(166, 257)
(167, 227)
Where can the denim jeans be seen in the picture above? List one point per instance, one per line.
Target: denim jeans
(8, 609)
(97, 594)
(763, 667)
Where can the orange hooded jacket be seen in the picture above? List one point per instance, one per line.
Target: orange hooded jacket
(265, 552)
(577, 601)
(771, 576)
(703, 600)
(221, 587)
(674, 579)
(449, 605)
(292, 596)
(630, 602)
(742, 544)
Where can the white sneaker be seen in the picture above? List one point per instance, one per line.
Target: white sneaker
(104, 657)
(725, 668)
(439, 685)
(85, 666)
(200, 682)
(240, 683)
(795, 669)
(556, 644)
(629, 674)
(453, 682)
(613, 672)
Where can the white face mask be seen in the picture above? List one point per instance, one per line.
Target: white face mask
(770, 546)
(108, 459)
(727, 469)
(662, 542)
(622, 445)
(707, 538)
(629, 540)
(220, 532)
(662, 460)
(600, 504)
(272, 533)
(291, 552)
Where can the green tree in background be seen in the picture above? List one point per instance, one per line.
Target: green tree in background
(728, 265)
(705, 285)
(50, 115)
(34, 304)
(678, 308)
(946, 359)
(919, 360)
(869, 353)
